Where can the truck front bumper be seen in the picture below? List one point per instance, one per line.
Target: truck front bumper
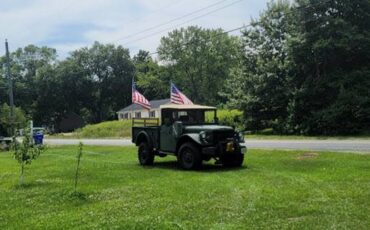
(223, 149)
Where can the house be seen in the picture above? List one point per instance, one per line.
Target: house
(137, 111)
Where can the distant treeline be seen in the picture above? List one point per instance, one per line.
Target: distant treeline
(300, 68)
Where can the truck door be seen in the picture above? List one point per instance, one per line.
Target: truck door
(167, 138)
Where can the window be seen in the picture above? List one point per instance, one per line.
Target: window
(183, 116)
(152, 114)
(138, 114)
(126, 115)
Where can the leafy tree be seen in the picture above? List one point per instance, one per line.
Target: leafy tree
(25, 65)
(25, 152)
(20, 119)
(110, 70)
(25, 62)
(152, 79)
(331, 56)
(259, 86)
(199, 60)
(62, 89)
(306, 69)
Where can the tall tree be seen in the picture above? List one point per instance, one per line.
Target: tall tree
(331, 56)
(260, 86)
(110, 69)
(199, 60)
(25, 62)
(152, 79)
(62, 89)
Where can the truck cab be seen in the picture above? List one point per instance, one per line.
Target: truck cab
(183, 131)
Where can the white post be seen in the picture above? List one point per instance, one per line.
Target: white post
(31, 127)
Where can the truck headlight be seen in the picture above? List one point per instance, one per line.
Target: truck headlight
(205, 136)
(241, 136)
(202, 135)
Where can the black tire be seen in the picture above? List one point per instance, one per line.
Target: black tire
(189, 157)
(145, 154)
(235, 160)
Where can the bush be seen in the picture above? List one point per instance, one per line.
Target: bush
(6, 126)
(228, 117)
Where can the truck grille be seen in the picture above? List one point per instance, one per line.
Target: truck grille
(222, 136)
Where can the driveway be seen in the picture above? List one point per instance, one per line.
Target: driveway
(312, 145)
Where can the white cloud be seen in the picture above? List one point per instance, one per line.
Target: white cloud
(67, 25)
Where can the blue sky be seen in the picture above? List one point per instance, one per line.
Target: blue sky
(71, 24)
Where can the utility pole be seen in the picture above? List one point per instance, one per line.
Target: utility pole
(10, 85)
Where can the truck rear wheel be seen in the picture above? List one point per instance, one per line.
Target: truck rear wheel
(189, 157)
(145, 154)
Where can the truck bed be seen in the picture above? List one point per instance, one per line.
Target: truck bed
(148, 126)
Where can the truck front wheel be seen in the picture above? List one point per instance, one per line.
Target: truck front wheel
(189, 157)
(145, 154)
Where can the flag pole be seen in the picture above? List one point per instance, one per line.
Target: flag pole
(170, 89)
(132, 100)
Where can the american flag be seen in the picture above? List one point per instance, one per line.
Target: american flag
(177, 97)
(138, 98)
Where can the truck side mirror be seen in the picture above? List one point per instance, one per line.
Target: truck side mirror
(177, 129)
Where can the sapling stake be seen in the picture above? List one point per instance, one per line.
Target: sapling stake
(79, 155)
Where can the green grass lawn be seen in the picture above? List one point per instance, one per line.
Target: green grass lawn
(274, 189)
(107, 129)
(122, 129)
(300, 137)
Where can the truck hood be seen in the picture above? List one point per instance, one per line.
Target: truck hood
(199, 128)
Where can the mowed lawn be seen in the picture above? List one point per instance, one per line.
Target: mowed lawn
(274, 190)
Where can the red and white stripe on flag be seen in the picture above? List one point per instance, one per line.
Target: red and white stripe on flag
(177, 97)
(138, 98)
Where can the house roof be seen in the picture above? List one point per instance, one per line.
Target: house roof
(180, 107)
(155, 104)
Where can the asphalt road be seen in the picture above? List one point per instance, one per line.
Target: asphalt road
(310, 145)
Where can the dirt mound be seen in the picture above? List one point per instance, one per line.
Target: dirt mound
(307, 156)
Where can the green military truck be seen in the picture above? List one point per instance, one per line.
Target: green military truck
(182, 131)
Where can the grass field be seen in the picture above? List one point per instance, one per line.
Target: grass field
(300, 137)
(122, 129)
(107, 129)
(274, 189)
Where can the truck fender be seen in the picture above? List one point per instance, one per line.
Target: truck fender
(192, 137)
(143, 137)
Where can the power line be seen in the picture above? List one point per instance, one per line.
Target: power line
(130, 20)
(170, 21)
(250, 24)
(224, 32)
(190, 20)
(140, 18)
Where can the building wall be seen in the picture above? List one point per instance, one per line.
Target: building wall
(134, 114)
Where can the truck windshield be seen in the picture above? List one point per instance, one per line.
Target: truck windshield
(189, 116)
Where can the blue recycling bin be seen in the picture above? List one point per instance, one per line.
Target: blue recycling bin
(38, 138)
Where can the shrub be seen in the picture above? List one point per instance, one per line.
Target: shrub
(228, 117)
(26, 151)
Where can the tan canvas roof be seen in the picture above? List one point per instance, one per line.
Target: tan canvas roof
(180, 107)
